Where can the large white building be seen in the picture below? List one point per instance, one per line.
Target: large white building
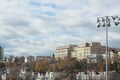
(64, 51)
(83, 50)
(89, 48)
(80, 51)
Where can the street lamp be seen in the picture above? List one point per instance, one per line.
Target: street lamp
(106, 22)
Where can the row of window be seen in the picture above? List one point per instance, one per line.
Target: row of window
(62, 51)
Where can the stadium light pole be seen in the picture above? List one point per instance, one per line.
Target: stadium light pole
(106, 22)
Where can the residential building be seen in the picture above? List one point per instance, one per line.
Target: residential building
(89, 48)
(74, 52)
(94, 58)
(119, 57)
(64, 51)
(83, 50)
(30, 59)
(1, 53)
(113, 55)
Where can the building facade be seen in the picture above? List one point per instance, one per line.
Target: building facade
(1, 54)
(89, 48)
(64, 51)
(80, 51)
(83, 50)
(94, 58)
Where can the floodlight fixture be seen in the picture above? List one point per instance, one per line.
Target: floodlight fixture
(113, 18)
(98, 25)
(106, 22)
(98, 20)
(103, 19)
(116, 23)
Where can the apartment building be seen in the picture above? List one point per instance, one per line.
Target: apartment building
(94, 58)
(74, 52)
(118, 55)
(1, 52)
(64, 51)
(81, 51)
(89, 48)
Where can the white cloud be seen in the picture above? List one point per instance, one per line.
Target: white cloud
(36, 27)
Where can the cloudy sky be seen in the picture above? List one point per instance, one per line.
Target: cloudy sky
(37, 27)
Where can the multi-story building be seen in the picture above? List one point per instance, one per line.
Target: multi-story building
(94, 58)
(118, 50)
(1, 53)
(89, 48)
(113, 55)
(64, 51)
(74, 52)
(80, 51)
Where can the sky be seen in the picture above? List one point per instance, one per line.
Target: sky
(37, 27)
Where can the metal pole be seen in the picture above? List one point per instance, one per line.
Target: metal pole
(106, 52)
(105, 22)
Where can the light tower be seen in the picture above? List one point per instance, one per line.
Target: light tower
(106, 22)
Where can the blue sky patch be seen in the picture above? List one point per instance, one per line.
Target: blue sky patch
(35, 3)
(54, 6)
(50, 13)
